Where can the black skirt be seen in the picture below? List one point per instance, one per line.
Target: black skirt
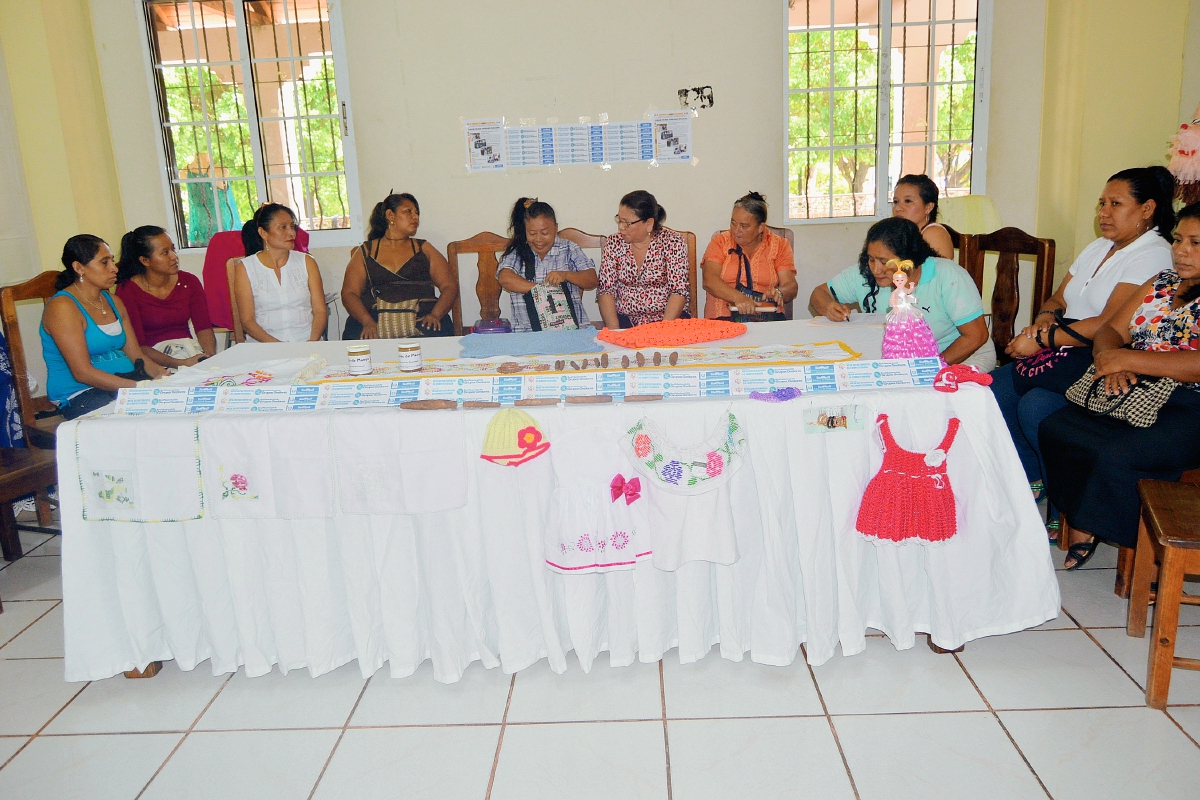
(1093, 463)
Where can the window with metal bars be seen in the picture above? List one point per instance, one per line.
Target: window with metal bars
(250, 112)
(877, 90)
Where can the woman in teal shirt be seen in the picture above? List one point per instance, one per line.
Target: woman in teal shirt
(946, 294)
(89, 347)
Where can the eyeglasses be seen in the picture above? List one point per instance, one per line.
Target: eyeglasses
(622, 224)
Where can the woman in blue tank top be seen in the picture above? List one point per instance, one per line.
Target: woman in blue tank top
(89, 347)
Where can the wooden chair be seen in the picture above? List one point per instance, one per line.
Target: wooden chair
(23, 470)
(239, 335)
(39, 433)
(487, 246)
(1168, 533)
(1010, 243)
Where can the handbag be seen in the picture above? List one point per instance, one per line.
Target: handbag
(747, 289)
(1138, 407)
(549, 308)
(1054, 369)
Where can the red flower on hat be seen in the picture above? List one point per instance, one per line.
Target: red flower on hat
(528, 438)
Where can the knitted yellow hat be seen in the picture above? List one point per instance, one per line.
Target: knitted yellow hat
(513, 437)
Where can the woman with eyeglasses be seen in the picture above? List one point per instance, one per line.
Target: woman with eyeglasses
(643, 267)
(748, 268)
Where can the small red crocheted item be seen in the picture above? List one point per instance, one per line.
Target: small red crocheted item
(672, 333)
(910, 497)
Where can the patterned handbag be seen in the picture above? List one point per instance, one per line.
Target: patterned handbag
(1138, 407)
(550, 309)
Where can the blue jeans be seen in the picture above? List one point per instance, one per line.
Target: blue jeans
(1023, 414)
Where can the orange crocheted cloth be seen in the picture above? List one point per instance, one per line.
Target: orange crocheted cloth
(672, 333)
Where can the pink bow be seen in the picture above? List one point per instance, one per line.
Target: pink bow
(632, 489)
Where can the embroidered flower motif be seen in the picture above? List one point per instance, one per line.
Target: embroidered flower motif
(716, 464)
(672, 472)
(620, 540)
(601, 543)
(935, 458)
(585, 543)
(258, 376)
(563, 546)
(641, 445)
(528, 438)
(236, 487)
(113, 489)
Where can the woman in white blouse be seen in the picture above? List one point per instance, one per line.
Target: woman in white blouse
(1136, 222)
(279, 293)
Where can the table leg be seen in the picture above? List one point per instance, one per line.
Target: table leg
(149, 672)
(10, 538)
(1166, 623)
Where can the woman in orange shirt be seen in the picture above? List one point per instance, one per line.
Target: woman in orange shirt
(748, 266)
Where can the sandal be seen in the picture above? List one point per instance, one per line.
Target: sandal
(1053, 528)
(1081, 552)
(1039, 490)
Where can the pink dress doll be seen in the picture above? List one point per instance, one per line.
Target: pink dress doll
(907, 334)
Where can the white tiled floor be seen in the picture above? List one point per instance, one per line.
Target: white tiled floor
(1056, 712)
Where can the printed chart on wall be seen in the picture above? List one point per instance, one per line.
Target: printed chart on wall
(485, 145)
(673, 137)
(665, 138)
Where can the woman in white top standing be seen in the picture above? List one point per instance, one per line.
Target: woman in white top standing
(1136, 222)
(279, 293)
(916, 198)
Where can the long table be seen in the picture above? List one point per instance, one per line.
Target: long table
(446, 560)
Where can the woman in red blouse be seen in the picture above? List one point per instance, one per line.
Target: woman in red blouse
(161, 300)
(748, 265)
(643, 267)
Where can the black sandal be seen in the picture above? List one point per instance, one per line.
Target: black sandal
(1081, 552)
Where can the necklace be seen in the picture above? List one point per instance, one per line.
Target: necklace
(103, 311)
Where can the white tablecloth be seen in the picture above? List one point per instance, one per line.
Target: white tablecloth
(297, 577)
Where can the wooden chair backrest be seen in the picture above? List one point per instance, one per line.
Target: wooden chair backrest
(1009, 243)
(239, 335)
(487, 246)
(38, 288)
(588, 241)
(960, 242)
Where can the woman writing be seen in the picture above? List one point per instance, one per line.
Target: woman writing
(162, 300)
(398, 275)
(279, 293)
(536, 257)
(89, 346)
(643, 267)
(1093, 463)
(1135, 220)
(945, 292)
(916, 199)
(748, 265)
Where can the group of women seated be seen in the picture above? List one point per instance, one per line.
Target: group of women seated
(398, 285)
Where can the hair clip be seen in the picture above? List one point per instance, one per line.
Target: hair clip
(529, 201)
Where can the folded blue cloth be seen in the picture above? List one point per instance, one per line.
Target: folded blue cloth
(535, 343)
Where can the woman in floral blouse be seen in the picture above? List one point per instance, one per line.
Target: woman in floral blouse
(1093, 463)
(643, 267)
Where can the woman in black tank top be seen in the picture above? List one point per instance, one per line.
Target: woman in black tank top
(392, 266)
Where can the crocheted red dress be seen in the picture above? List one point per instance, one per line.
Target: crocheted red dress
(910, 497)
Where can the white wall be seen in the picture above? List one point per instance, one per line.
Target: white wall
(18, 244)
(417, 68)
(1190, 96)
